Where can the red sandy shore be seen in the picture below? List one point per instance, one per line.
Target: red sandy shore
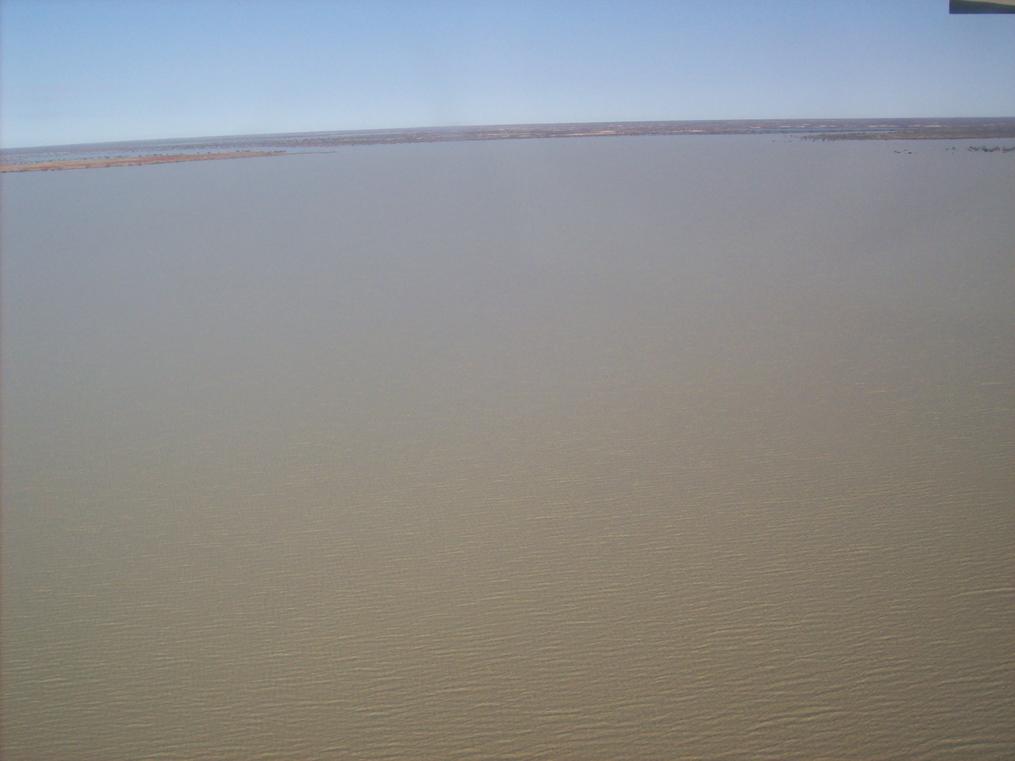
(50, 166)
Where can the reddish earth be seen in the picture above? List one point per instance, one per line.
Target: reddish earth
(49, 166)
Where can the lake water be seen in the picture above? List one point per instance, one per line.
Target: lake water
(630, 448)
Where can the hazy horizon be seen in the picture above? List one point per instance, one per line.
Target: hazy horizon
(171, 138)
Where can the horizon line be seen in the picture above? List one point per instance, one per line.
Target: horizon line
(491, 125)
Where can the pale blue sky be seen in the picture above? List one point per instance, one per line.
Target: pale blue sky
(94, 70)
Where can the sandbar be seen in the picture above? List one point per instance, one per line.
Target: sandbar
(99, 163)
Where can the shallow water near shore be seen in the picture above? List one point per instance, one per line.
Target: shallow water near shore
(577, 449)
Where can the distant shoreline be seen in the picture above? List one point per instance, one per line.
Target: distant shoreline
(141, 153)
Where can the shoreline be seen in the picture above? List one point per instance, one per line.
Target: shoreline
(105, 163)
(140, 153)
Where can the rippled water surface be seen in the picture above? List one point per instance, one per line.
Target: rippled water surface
(583, 449)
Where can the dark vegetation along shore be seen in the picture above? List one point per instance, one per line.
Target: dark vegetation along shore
(206, 149)
(876, 129)
(940, 129)
(991, 149)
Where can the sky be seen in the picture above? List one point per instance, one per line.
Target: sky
(78, 71)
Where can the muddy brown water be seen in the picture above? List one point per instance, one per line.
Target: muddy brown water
(582, 449)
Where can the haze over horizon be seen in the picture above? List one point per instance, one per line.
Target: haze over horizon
(112, 71)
